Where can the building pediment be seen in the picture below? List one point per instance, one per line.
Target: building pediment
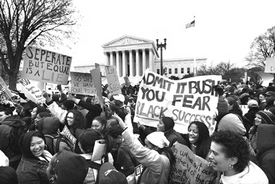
(126, 40)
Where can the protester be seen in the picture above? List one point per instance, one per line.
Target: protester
(261, 117)
(49, 126)
(11, 128)
(92, 105)
(87, 140)
(124, 160)
(253, 107)
(270, 99)
(229, 154)
(266, 150)
(99, 123)
(157, 157)
(67, 167)
(109, 175)
(198, 138)
(35, 159)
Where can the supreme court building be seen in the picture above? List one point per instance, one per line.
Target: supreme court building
(132, 56)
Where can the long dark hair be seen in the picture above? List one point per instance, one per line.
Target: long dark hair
(170, 155)
(204, 141)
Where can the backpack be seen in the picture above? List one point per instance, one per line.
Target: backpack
(53, 142)
(11, 130)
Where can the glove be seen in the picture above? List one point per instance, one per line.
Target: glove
(22, 95)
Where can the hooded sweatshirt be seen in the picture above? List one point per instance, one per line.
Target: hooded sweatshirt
(266, 148)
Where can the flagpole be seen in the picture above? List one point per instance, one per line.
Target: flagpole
(195, 62)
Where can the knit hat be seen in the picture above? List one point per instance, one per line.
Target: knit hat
(222, 105)
(158, 139)
(168, 122)
(252, 103)
(109, 175)
(68, 104)
(70, 168)
(267, 117)
(87, 139)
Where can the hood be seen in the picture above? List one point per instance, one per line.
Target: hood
(266, 136)
(233, 123)
(48, 125)
(25, 142)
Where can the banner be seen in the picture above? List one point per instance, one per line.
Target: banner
(82, 83)
(71, 139)
(113, 81)
(46, 66)
(31, 91)
(190, 168)
(183, 100)
(270, 65)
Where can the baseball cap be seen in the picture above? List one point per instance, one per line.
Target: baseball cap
(252, 103)
(109, 175)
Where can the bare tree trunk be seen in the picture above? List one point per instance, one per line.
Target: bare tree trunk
(13, 80)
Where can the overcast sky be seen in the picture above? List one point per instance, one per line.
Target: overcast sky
(224, 29)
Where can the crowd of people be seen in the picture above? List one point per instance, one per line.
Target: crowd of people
(60, 140)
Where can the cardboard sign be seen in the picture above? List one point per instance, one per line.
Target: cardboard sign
(72, 140)
(190, 168)
(82, 83)
(46, 66)
(113, 81)
(270, 65)
(31, 91)
(184, 100)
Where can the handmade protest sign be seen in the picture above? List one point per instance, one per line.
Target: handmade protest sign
(270, 65)
(184, 100)
(190, 168)
(46, 66)
(31, 91)
(82, 83)
(71, 139)
(113, 81)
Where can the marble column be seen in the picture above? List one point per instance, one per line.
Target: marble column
(143, 60)
(137, 63)
(151, 59)
(111, 58)
(107, 60)
(118, 66)
(124, 65)
(131, 63)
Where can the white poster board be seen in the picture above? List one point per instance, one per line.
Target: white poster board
(113, 81)
(82, 83)
(46, 66)
(270, 65)
(183, 100)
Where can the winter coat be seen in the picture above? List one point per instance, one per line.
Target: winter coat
(94, 111)
(266, 150)
(173, 136)
(157, 166)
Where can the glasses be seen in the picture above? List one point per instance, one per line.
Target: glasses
(69, 117)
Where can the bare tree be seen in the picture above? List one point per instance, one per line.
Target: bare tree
(219, 69)
(28, 22)
(261, 48)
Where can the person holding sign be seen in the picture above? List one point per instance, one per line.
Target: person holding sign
(156, 157)
(229, 154)
(199, 138)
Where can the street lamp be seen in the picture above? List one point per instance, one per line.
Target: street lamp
(161, 45)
